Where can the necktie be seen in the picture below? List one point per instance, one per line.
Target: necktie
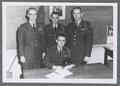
(76, 24)
(34, 26)
(55, 27)
(60, 52)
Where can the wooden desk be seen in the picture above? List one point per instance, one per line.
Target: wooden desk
(97, 71)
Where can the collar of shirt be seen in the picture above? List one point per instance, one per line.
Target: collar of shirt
(58, 48)
(55, 25)
(31, 23)
(78, 22)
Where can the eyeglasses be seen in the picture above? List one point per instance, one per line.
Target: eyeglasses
(32, 14)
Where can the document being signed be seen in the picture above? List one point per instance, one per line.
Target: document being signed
(59, 74)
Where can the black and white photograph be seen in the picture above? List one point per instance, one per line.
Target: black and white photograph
(59, 42)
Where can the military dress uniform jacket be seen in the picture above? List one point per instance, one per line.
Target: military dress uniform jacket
(79, 40)
(30, 45)
(50, 34)
(53, 57)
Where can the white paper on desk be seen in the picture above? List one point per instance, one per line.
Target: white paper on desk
(54, 76)
(63, 72)
(59, 74)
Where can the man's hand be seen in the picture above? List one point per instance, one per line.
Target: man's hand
(68, 67)
(43, 55)
(22, 59)
(86, 59)
(57, 67)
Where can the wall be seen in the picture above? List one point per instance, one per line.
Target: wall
(99, 17)
(15, 16)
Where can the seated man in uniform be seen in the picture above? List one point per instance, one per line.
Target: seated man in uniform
(58, 56)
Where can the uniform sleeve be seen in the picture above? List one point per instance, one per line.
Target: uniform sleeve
(67, 35)
(63, 29)
(45, 37)
(43, 40)
(69, 60)
(89, 41)
(20, 42)
(47, 59)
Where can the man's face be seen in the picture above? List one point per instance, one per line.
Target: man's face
(61, 41)
(32, 14)
(77, 14)
(55, 18)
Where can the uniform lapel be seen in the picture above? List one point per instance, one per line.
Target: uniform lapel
(51, 29)
(30, 26)
(51, 26)
(58, 26)
(81, 25)
(63, 51)
(57, 52)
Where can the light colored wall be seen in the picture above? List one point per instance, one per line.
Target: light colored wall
(15, 16)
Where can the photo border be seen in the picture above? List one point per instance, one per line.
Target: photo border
(103, 81)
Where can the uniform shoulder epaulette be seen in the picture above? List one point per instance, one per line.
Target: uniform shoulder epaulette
(24, 24)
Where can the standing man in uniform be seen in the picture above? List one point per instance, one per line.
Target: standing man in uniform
(52, 29)
(29, 42)
(80, 38)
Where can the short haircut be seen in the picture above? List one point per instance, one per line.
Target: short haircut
(60, 34)
(77, 8)
(32, 8)
(73, 10)
(55, 13)
(27, 11)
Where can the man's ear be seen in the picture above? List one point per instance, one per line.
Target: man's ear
(56, 41)
(28, 15)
